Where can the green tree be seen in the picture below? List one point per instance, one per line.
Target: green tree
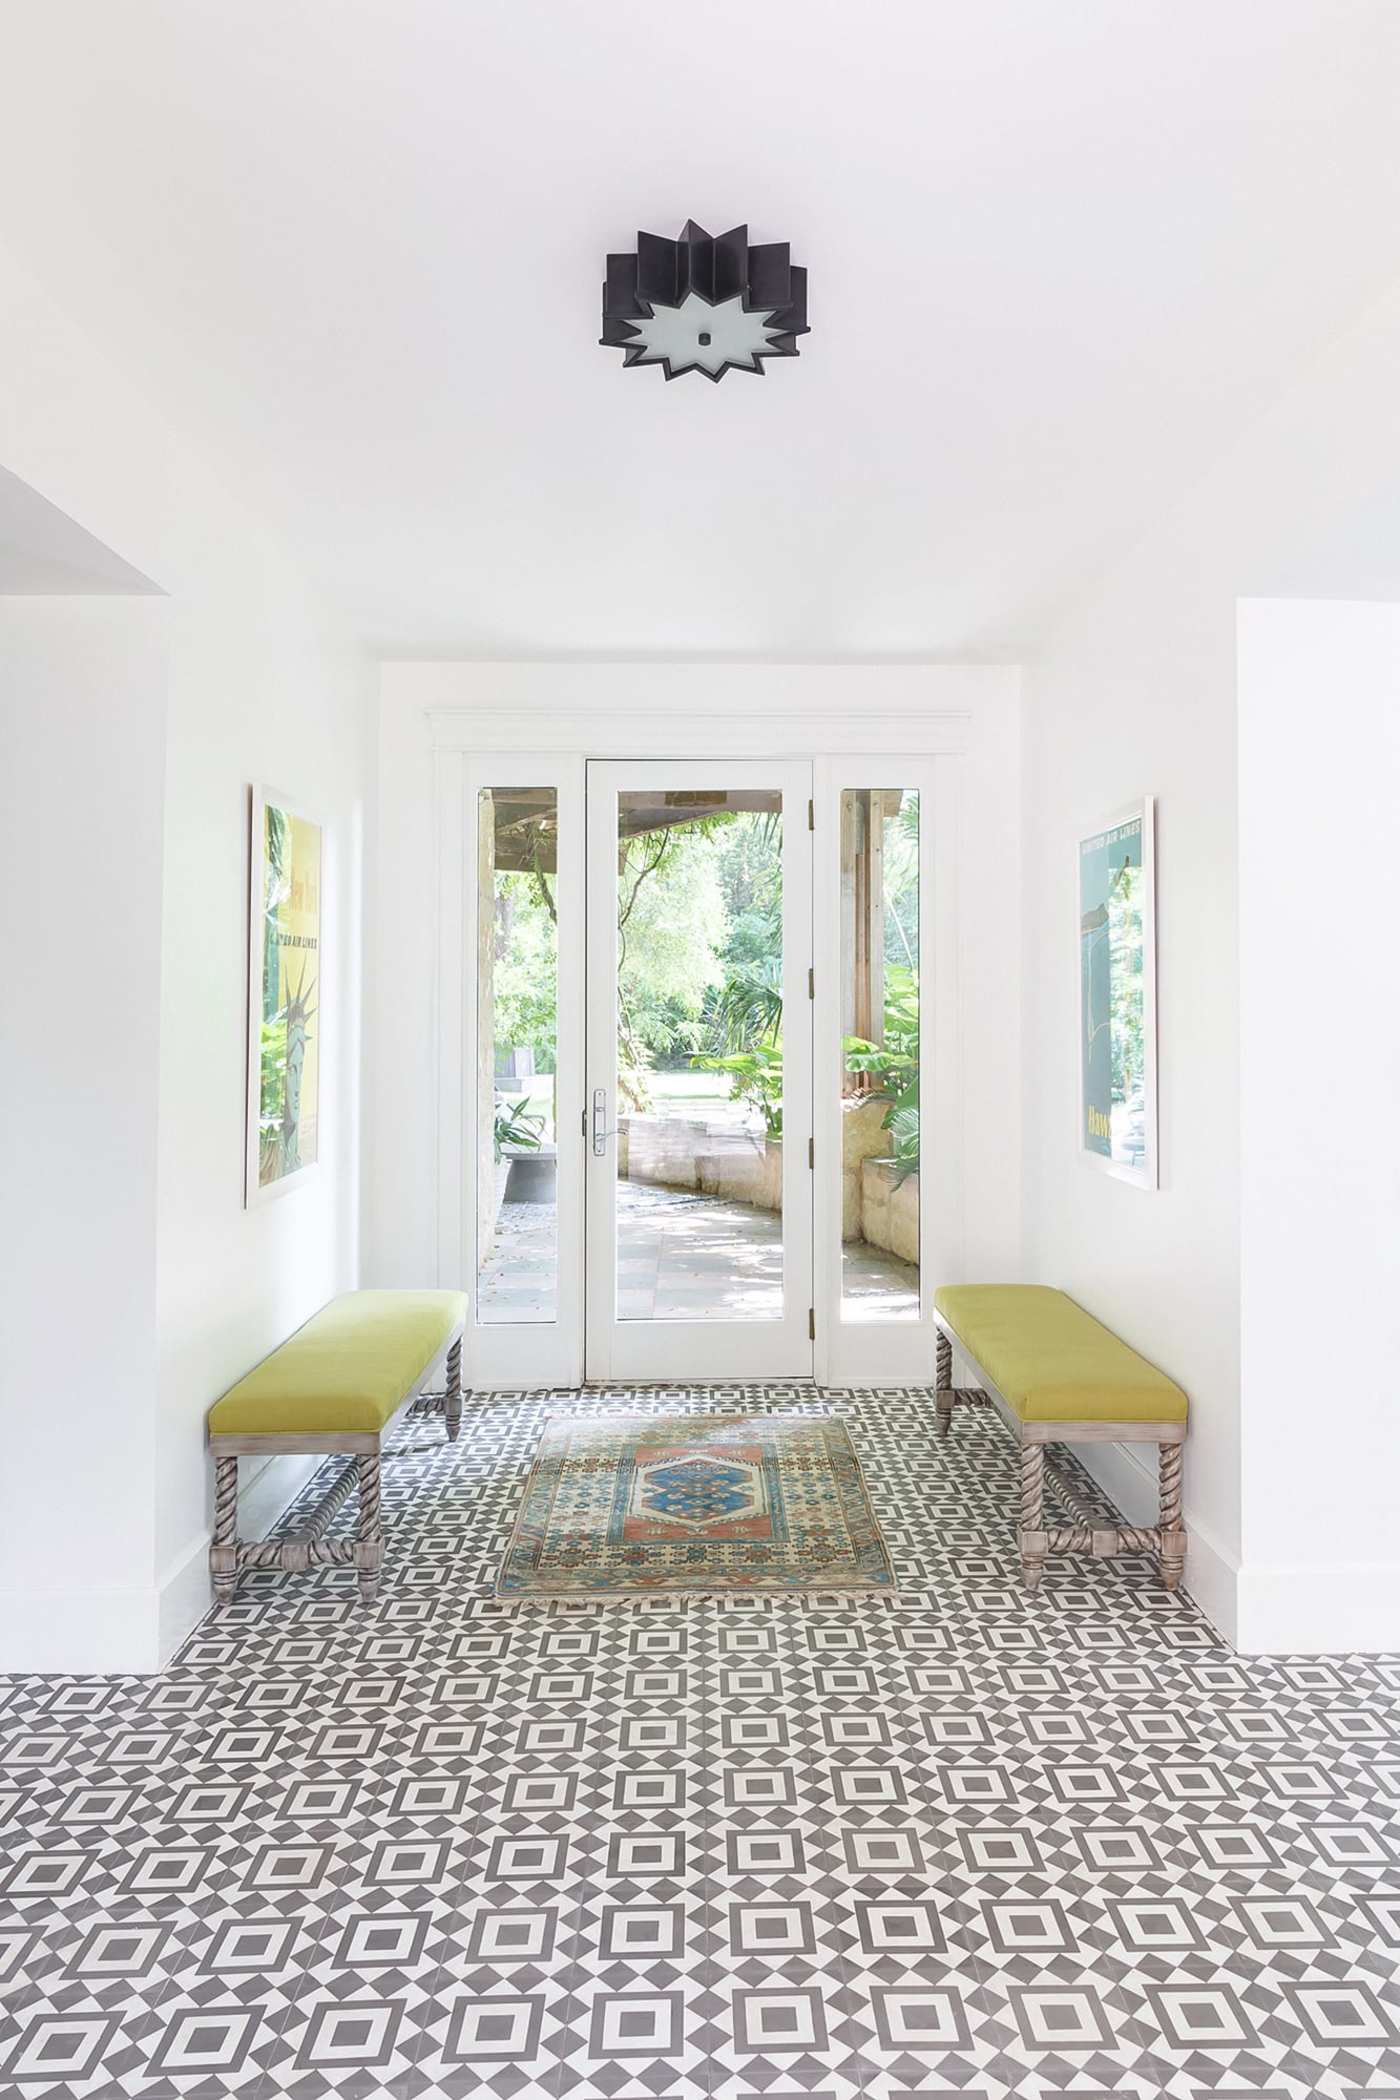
(671, 920)
(525, 948)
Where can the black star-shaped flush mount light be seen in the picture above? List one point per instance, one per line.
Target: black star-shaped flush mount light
(704, 303)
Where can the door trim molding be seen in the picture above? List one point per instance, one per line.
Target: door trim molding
(572, 713)
(625, 733)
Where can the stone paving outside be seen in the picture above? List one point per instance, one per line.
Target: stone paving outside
(680, 1257)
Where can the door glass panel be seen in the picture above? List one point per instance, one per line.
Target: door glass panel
(880, 1054)
(699, 1110)
(517, 976)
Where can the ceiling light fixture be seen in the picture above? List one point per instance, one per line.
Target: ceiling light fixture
(704, 303)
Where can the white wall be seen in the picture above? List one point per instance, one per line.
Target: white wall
(1133, 692)
(257, 683)
(82, 739)
(260, 690)
(1138, 699)
(626, 710)
(1319, 731)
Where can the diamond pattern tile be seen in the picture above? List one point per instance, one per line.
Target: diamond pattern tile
(957, 1841)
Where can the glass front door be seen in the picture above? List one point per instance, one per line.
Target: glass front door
(698, 1063)
(656, 958)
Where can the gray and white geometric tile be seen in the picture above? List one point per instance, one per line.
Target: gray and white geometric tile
(957, 1842)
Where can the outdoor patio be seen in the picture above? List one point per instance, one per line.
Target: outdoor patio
(680, 1257)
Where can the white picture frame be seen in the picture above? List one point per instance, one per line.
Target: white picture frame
(300, 935)
(1116, 911)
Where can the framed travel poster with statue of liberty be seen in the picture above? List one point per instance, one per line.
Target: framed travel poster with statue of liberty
(1118, 997)
(284, 996)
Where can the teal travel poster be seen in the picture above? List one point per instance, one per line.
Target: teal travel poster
(1116, 1020)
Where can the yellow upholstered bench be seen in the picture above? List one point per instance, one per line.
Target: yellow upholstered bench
(336, 1385)
(1058, 1376)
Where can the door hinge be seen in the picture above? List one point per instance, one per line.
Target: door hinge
(811, 984)
(811, 1152)
(811, 1323)
(811, 816)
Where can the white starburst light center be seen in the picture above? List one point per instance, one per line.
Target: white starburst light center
(677, 335)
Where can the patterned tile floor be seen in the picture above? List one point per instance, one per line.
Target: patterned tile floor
(961, 1843)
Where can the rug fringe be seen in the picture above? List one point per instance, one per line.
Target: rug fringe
(813, 1600)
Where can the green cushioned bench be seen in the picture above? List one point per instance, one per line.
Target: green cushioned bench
(335, 1385)
(1057, 1375)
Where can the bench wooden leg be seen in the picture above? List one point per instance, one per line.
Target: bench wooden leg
(454, 1390)
(223, 1548)
(1169, 1517)
(369, 1536)
(1032, 1537)
(943, 1380)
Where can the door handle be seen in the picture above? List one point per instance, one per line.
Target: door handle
(601, 1133)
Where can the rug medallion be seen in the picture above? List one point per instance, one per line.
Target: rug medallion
(624, 1504)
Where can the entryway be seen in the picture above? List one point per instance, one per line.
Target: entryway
(692, 1049)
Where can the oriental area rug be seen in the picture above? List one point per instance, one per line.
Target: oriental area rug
(621, 1506)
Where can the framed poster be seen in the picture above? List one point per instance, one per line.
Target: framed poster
(1118, 997)
(285, 1006)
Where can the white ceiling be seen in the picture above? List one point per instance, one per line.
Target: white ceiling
(1058, 249)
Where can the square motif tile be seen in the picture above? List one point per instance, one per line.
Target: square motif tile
(380, 1940)
(502, 2029)
(771, 1928)
(1062, 2018)
(498, 1936)
(957, 1841)
(642, 1931)
(772, 2023)
(1030, 1925)
(1204, 2016)
(900, 1926)
(918, 2017)
(533, 1858)
(354, 2036)
(53, 2047)
(636, 2023)
(646, 1855)
(765, 1852)
(882, 1851)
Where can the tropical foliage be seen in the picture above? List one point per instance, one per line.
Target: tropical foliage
(525, 951)
(756, 1079)
(517, 1125)
(700, 971)
(893, 1067)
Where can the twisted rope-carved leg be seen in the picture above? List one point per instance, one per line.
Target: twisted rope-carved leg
(454, 1390)
(1033, 1538)
(943, 1380)
(1173, 1536)
(369, 1537)
(223, 1547)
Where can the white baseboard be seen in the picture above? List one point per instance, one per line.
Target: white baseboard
(183, 1593)
(1130, 1481)
(78, 1633)
(132, 1633)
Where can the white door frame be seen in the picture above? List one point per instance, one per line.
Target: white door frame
(749, 712)
(691, 1350)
